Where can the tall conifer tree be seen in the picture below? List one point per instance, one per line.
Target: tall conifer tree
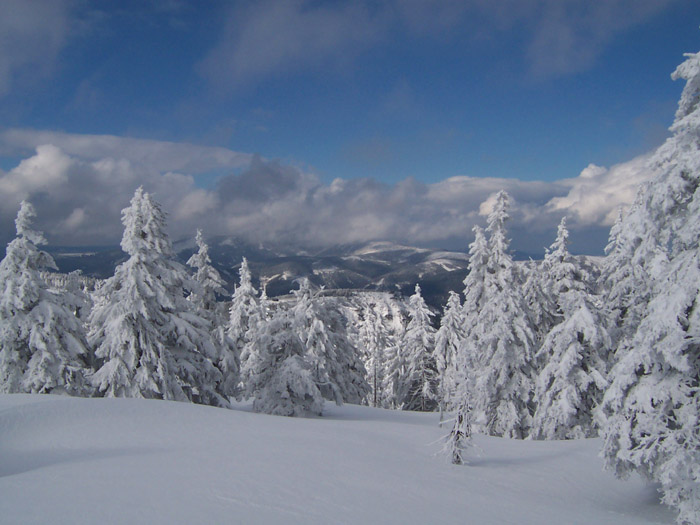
(573, 355)
(651, 408)
(500, 336)
(149, 339)
(42, 344)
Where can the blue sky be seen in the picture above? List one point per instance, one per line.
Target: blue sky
(398, 94)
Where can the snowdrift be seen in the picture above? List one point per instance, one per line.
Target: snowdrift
(72, 460)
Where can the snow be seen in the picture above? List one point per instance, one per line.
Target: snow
(384, 246)
(74, 460)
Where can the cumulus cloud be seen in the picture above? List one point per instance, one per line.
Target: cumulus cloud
(598, 192)
(31, 36)
(79, 200)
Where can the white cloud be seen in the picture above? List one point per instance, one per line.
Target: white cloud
(154, 154)
(597, 193)
(79, 198)
(75, 219)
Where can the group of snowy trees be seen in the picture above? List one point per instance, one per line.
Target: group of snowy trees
(547, 350)
(526, 353)
(555, 354)
(155, 330)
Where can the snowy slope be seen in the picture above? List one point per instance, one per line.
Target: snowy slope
(68, 460)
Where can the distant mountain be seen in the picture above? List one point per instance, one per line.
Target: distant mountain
(380, 266)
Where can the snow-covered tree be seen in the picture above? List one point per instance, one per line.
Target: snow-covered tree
(418, 378)
(42, 344)
(245, 314)
(208, 283)
(458, 442)
(280, 377)
(209, 280)
(469, 359)
(499, 335)
(149, 339)
(264, 302)
(449, 345)
(573, 355)
(652, 408)
(335, 362)
(373, 339)
(374, 320)
(475, 281)
(541, 305)
(395, 362)
(560, 269)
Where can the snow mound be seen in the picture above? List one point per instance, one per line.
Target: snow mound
(71, 460)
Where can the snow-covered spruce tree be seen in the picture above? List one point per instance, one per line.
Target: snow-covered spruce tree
(573, 355)
(652, 408)
(42, 343)
(469, 359)
(418, 381)
(245, 314)
(149, 339)
(206, 276)
(499, 336)
(547, 282)
(373, 340)
(395, 359)
(264, 302)
(634, 254)
(449, 344)
(475, 281)
(280, 376)
(335, 361)
(541, 306)
(459, 440)
(208, 283)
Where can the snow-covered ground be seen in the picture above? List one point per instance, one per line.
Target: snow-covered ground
(70, 460)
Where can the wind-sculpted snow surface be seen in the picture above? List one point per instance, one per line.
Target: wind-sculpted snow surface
(86, 461)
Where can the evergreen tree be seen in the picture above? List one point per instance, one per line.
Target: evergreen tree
(207, 284)
(395, 358)
(150, 340)
(209, 280)
(418, 382)
(42, 343)
(373, 339)
(459, 440)
(449, 344)
(500, 336)
(651, 408)
(475, 281)
(280, 377)
(541, 305)
(335, 362)
(245, 315)
(469, 360)
(573, 354)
